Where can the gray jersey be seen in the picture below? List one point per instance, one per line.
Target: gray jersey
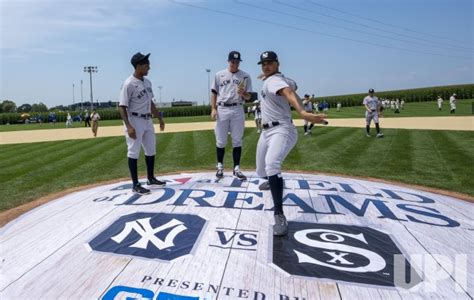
(308, 105)
(226, 84)
(371, 102)
(136, 95)
(275, 107)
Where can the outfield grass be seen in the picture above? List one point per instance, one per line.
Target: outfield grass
(440, 159)
(414, 109)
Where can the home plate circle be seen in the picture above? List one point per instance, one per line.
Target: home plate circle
(202, 239)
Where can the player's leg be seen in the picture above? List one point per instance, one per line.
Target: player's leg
(133, 152)
(311, 125)
(237, 126)
(377, 127)
(305, 127)
(281, 141)
(262, 148)
(149, 147)
(368, 119)
(221, 131)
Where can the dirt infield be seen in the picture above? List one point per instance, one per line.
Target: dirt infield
(430, 123)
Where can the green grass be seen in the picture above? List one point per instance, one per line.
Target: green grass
(440, 159)
(414, 109)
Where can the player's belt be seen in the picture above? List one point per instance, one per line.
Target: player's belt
(228, 105)
(144, 116)
(373, 110)
(270, 125)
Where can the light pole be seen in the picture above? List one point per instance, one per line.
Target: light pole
(73, 97)
(160, 87)
(208, 85)
(90, 70)
(82, 98)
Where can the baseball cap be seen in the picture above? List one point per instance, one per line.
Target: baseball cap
(140, 59)
(268, 56)
(371, 91)
(234, 55)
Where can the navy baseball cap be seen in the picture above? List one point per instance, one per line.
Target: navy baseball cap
(371, 91)
(268, 56)
(139, 59)
(234, 55)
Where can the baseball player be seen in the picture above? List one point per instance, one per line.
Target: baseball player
(452, 102)
(440, 103)
(279, 134)
(95, 117)
(137, 109)
(230, 88)
(308, 107)
(339, 106)
(372, 106)
(258, 116)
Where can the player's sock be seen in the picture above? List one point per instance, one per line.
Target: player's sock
(305, 128)
(236, 153)
(276, 188)
(377, 127)
(220, 155)
(367, 128)
(150, 166)
(311, 126)
(132, 166)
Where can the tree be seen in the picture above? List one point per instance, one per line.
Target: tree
(25, 108)
(40, 107)
(8, 106)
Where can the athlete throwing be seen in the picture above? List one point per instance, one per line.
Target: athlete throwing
(230, 88)
(137, 109)
(279, 134)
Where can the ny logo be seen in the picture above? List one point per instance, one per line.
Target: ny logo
(265, 54)
(148, 233)
(151, 235)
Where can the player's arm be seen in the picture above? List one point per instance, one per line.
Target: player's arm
(157, 114)
(124, 116)
(213, 104)
(295, 101)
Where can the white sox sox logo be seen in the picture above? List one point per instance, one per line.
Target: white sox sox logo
(341, 252)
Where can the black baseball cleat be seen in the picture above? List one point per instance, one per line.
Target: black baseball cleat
(265, 186)
(239, 175)
(155, 182)
(220, 173)
(140, 190)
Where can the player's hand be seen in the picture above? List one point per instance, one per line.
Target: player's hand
(312, 118)
(214, 114)
(162, 125)
(131, 132)
(241, 91)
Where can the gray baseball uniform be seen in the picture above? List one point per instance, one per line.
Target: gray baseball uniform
(372, 103)
(137, 95)
(230, 111)
(279, 135)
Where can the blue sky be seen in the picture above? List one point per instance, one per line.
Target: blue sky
(46, 43)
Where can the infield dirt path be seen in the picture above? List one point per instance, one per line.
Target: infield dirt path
(430, 123)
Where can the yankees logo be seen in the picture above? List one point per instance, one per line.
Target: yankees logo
(341, 252)
(147, 233)
(150, 235)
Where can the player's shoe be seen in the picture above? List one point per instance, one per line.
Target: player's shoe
(368, 135)
(239, 175)
(306, 133)
(265, 186)
(220, 173)
(155, 182)
(258, 130)
(379, 135)
(281, 225)
(140, 190)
